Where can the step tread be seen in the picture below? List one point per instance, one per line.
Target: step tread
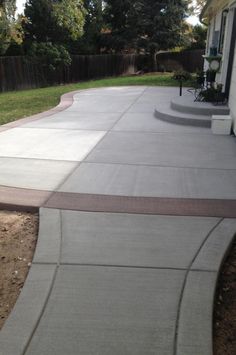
(186, 104)
(168, 110)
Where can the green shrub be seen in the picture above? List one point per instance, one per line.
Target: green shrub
(182, 75)
(49, 55)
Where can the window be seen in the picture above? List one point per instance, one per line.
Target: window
(222, 31)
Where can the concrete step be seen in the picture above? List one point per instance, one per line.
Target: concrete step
(167, 114)
(186, 104)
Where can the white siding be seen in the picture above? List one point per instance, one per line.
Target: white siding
(211, 31)
(218, 20)
(232, 96)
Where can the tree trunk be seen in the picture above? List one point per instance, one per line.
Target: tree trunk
(153, 61)
(154, 65)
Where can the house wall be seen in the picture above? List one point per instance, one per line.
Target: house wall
(225, 58)
(213, 27)
(221, 76)
(232, 96)
(213, 16)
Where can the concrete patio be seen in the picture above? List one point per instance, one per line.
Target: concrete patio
(136, 215)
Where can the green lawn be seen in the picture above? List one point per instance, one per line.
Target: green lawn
(19, 104)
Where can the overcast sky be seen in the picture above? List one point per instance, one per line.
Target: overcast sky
(20, 7)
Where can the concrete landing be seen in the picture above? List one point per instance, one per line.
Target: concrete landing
(184, 110)
(187, 104)
(136, 216)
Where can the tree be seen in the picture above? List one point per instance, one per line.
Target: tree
(9, 27)
(8, 7)
(162, 25)
(69, 16)
(199, 34)
(89, 43)
(49, 56)
(56, 21)
(50, 25)
(196, 6)
(145, 25)
(121, 24)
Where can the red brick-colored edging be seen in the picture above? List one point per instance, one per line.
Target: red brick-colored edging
(26, 199)
(18, 199)
(142, 205)
(65, 102)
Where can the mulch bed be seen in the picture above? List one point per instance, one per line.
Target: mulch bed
(225, 308)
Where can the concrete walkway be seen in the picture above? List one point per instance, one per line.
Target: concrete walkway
(136, 216)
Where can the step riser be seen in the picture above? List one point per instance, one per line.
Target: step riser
(206, 111)
(182, 120)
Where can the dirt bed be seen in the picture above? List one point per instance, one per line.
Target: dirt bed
(225, 308)
(18, 236)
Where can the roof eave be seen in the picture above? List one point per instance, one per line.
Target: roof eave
(204, 10)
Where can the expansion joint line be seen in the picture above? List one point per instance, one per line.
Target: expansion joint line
(49, 292)
(185, 281)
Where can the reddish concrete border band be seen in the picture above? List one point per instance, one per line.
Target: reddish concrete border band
(17, 199)
(65, 102)
(26, 199)
(143, 205)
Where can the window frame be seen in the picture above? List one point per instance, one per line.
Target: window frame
(222, 31)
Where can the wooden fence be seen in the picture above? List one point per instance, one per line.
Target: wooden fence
(190, 61)
(18, 73)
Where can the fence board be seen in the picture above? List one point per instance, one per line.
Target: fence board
(190, 61)
(18, 73)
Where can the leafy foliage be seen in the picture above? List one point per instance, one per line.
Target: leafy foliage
(196, 6)
(8, 7)
(122, 24)
(212, 94)
(5, 36)
(182, 75)
(198, 36)
(69, 16)
(90, 42)
(56, 21)
(163, 24)
(10, 29)
(145, 25)
(49, 55)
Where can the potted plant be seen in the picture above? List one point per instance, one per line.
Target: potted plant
(213, 94)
